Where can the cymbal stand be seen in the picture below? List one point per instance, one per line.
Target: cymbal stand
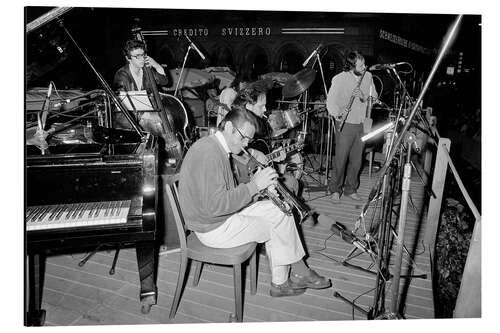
(304, 133)
(329, 130)
(330, 125)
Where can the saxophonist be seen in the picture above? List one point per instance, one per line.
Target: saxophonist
(348, 94)
(223, 214)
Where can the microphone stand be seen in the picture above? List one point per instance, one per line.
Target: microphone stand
(329, 130)
(378, 308)
(182, 69)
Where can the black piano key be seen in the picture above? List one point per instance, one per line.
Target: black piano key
(121, 205)
(29, 212)
(98, 209)
(35, 213)
(44, 212)
(71, 209)
(53, 212)
(93, 205)
(108, 208)
(82, 209)
(114, 203)
(77, 211)
(61, 211)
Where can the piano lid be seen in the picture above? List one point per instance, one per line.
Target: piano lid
(65, 47)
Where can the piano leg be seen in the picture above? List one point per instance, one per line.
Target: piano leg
(35, 315)
(147, 274)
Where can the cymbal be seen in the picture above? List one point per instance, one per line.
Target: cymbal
(299, 82)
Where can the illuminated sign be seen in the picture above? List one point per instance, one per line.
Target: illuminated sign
(393, 38)
(191, 32)
(246, 31)
(204, 32)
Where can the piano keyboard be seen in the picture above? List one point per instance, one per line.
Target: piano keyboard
(77, 215)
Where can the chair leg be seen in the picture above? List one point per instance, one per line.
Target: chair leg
(197, 273)
(253, 273)
(180, 284)
(238, 292)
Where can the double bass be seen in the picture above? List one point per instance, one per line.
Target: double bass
(174, 128)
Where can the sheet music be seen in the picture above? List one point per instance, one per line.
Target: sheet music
(136, 100)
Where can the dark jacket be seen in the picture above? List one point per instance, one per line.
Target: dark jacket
(124, 81)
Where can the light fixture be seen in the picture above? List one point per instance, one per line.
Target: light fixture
(373, 133)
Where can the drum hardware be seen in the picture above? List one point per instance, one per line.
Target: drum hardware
(299, 82)
(277, 123)
(330, 123)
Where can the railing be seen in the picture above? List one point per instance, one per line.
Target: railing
(468, 304)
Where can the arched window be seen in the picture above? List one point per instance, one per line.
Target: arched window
(222, 57)
(289, 59)
(253, 61)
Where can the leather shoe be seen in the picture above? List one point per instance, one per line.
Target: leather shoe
(354, 196)
(288, 288)
(336, 197)
(313, 280)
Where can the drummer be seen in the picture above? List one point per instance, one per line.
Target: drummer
(228, 95)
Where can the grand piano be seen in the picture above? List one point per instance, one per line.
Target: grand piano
(88, 186)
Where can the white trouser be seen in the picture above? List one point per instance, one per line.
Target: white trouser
(261, 222)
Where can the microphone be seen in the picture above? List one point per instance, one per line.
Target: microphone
(313, 53)
(195, 48)
(386, 66)
(47, 98)
(349, 237)
(42, 114)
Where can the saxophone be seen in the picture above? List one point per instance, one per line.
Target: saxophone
(283, 199)
(341, 118)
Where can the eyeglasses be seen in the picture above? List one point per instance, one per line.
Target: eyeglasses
(139, 56)
(243, 137)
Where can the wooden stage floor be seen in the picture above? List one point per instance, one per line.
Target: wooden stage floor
(88, 295)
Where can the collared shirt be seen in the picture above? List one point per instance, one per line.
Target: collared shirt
(222, 140)
(343, 85)
(137, 78)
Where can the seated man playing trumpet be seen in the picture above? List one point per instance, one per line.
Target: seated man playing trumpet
(225, 214)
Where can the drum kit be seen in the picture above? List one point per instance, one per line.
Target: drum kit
(285, 122)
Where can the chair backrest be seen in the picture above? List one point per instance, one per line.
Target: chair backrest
(173, 199)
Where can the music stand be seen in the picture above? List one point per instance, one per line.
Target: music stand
(136, 101)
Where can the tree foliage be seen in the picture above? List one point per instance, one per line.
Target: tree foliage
(452, 247)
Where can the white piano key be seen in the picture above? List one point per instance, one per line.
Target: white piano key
(77, 215)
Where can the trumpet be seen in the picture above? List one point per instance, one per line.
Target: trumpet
(283, 198)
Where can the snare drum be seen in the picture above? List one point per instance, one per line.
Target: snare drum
(277, 123)
(292, 118)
